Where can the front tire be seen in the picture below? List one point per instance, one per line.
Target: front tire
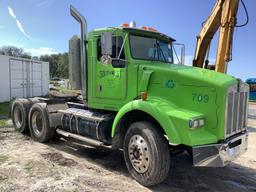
(146, 153)
(39, 123)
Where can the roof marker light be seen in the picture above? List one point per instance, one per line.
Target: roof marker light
(144, 27)
(148, 28)
(152, 29)
(125, 25)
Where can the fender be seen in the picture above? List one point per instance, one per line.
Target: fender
(158, 109)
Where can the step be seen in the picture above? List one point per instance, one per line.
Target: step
(80, 138)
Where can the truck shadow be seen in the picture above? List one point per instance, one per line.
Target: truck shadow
(104, 157)
(251, 129)
(185, 177)
(182, 177)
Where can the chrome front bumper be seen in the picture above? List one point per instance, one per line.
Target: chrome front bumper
(221, 154)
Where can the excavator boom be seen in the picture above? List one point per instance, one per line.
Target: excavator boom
(223, 17)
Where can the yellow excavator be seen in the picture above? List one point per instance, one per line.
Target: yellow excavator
(224, 19)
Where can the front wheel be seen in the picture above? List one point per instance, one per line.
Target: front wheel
(146, 153)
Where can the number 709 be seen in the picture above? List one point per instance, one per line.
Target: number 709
(200, 97)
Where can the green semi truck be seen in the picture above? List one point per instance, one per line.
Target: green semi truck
(136, 99)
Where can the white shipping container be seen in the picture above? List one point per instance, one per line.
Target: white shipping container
(22, 78)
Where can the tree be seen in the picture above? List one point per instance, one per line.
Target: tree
(58, 64)
(53, 62)
(62, 68)
(36, 58)
(14, 51)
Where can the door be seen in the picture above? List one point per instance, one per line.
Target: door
(36, 80)
(110, 82)
(18, 79)
(25, 78)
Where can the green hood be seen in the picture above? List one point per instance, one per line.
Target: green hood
(190, 75)
(188, 89)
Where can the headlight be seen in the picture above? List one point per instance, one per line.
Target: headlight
(196, 122)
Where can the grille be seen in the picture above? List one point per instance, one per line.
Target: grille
(236, 112)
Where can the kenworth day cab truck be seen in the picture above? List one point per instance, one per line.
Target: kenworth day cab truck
(136, 99)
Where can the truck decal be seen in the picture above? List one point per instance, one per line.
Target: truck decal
(169, 84)
(201, 98)
(114, 73)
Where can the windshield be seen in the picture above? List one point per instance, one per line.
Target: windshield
(150, 48)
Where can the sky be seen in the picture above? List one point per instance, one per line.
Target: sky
(45, 26)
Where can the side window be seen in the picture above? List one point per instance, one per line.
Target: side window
(116, 48)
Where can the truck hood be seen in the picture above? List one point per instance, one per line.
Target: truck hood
(188, 75)
(186, 88)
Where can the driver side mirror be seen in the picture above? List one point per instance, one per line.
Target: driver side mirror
(106, 43)
(109, 46)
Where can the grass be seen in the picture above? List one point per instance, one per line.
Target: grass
(28, 166)
(4, 113)
(3, 158)
(3, 123)
(4, 109)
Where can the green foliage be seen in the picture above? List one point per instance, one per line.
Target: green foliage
(4, 109)
(58, 64)
(4, 113)
(3, 123)
(14, 51)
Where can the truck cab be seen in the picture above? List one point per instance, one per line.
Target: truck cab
(116, 78)
(135, 98)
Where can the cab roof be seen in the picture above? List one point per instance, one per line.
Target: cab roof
(137, 30)
(130, 29)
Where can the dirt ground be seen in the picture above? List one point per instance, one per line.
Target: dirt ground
(62, 166)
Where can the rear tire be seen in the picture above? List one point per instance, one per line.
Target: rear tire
(146, 153)
(19, 114)
(39, 123)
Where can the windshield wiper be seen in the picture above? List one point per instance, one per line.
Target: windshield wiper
(154, 58)
(161, 51)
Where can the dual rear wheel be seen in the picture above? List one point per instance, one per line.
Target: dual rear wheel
(19, 113)
(33, 118)
(39, 123)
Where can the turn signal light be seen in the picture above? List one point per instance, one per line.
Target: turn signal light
(144, 95)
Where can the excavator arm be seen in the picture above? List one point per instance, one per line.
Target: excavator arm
(223, 17)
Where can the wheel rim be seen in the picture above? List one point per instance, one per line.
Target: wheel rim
(18, 120)
(37, 123)
(139, 153)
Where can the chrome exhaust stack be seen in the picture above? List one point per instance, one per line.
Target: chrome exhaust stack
(83, 25)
